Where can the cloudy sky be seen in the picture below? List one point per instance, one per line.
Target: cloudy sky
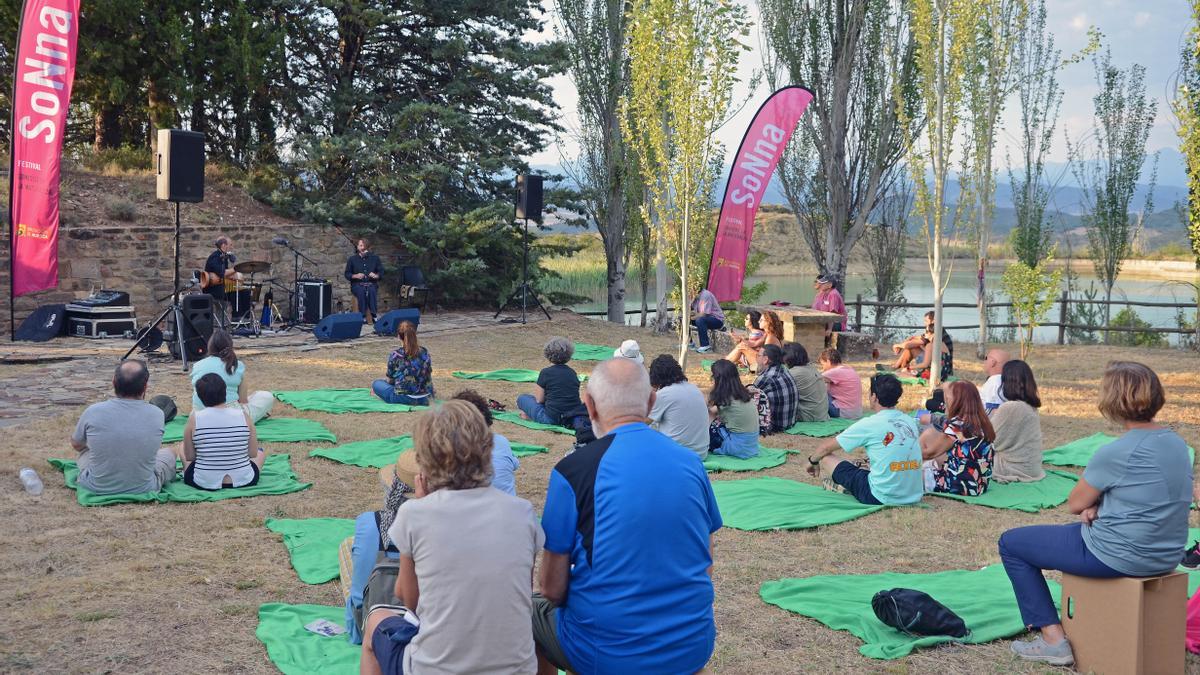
(1147, 32)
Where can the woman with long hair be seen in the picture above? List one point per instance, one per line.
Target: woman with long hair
(1017, 451)
(959, 454)
(734, 413)
(1132, 502)
(773, 325)
(745, 351)
(223, 362)
(409, 371)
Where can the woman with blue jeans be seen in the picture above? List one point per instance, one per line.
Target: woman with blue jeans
(1132, 502)
(409, 371)
(556, 394)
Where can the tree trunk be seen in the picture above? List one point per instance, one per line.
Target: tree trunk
(108, 134)
(684, 309)
(981, 292)
(615, 267)
(1107, 310)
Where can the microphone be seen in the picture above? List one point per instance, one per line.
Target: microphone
(282, 241)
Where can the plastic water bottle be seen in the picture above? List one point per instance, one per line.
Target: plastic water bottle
(31, 481)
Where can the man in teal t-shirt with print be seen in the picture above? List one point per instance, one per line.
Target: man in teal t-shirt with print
(890, 439)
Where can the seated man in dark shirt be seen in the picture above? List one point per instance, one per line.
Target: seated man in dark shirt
(556, 394)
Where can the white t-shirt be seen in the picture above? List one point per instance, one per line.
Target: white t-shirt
(473, 551)
(990, 391)
(222, 444)
(681, 412)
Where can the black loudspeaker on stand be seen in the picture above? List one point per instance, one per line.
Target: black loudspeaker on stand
(529, 207)
(181, 179)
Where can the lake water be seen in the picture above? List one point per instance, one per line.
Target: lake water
(918, 289)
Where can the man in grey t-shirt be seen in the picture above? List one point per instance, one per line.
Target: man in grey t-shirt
(120, 440)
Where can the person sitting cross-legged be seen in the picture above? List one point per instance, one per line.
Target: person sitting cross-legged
(220, 446)
(1132, 502)
(843, 385)
(504, 463)
(625, 578)
(409, 371)
(1017, 450)
(890, 439)
(734, 413)
(958, 448)
(466, 560)
(120, 440)
(679, 408)
(812, 391)
(777, 384)
(556, 394)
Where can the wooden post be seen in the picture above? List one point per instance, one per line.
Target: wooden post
(857, 313)
(1062, 317)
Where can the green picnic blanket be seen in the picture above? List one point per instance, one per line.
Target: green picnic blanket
(277, 479)
(515, 418)
(312, 544)
(506, 375)
(587, 352)
(830, 427)
(765, 459)
(269, 430)
(296, 651)
(983, 598)
(1079, 452)
(1046, 493)
(920, 380)
(339, 401)
(771, 503)
(383, 451)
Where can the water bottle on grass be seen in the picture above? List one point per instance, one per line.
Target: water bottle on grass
(31, 481)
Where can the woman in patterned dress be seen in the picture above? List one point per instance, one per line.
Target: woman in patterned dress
(958, 453)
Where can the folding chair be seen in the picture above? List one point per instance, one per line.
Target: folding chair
(412, 279)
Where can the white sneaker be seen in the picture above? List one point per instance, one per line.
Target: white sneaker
(704, 350)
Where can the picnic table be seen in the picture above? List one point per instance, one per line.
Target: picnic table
(801, 324)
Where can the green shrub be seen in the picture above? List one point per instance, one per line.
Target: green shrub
(118, 208)
(1144, 337)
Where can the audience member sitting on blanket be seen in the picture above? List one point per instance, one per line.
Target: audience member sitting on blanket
(778, 386)
(745, 348)
(220, 446)
(958, 450)
(630, 349)
(679, 409)
(120, 440)
(371, 541)
(1132, 501)
(1017, 451)
(504, 463)
(222, 361)
(409, 371)
(625, 579)
(466, 560)
(734, 413)
(556, 393)
(990, 392)
(706, 316)
(844, 386)
(893, 451)
(918, 351)
(812, 404)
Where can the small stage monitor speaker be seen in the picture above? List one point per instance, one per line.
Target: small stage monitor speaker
(390, 322)
(180, 165)
(338, 327)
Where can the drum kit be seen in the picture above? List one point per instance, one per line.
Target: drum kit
(243, 294)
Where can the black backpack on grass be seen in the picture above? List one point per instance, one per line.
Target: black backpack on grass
(916, 613)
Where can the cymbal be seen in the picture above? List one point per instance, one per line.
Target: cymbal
(252, 267)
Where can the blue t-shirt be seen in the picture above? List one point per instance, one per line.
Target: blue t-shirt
(1146, 480)
(890, 438)
(634, 510)
(504, 463)
(212, 364)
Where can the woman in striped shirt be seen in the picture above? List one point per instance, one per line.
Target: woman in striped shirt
(220, 447)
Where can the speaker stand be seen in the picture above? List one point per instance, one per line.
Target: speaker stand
(525, 290)
(174, 309)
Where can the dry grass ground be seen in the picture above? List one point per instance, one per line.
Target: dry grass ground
(175, 588)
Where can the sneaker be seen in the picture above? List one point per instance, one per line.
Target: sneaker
(1191, 557)
(703, 350)
(1039, 650)
(828, 484)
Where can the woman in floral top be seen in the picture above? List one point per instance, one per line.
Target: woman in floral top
(959, 453)
(409, 371)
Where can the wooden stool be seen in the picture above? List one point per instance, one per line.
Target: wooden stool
(1128, 625)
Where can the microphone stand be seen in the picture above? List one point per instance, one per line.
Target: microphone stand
(293, 297)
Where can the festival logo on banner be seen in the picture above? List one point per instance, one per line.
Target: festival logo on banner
(45, 70)
(755, 162)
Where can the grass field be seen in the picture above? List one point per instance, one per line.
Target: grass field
(175, 588)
